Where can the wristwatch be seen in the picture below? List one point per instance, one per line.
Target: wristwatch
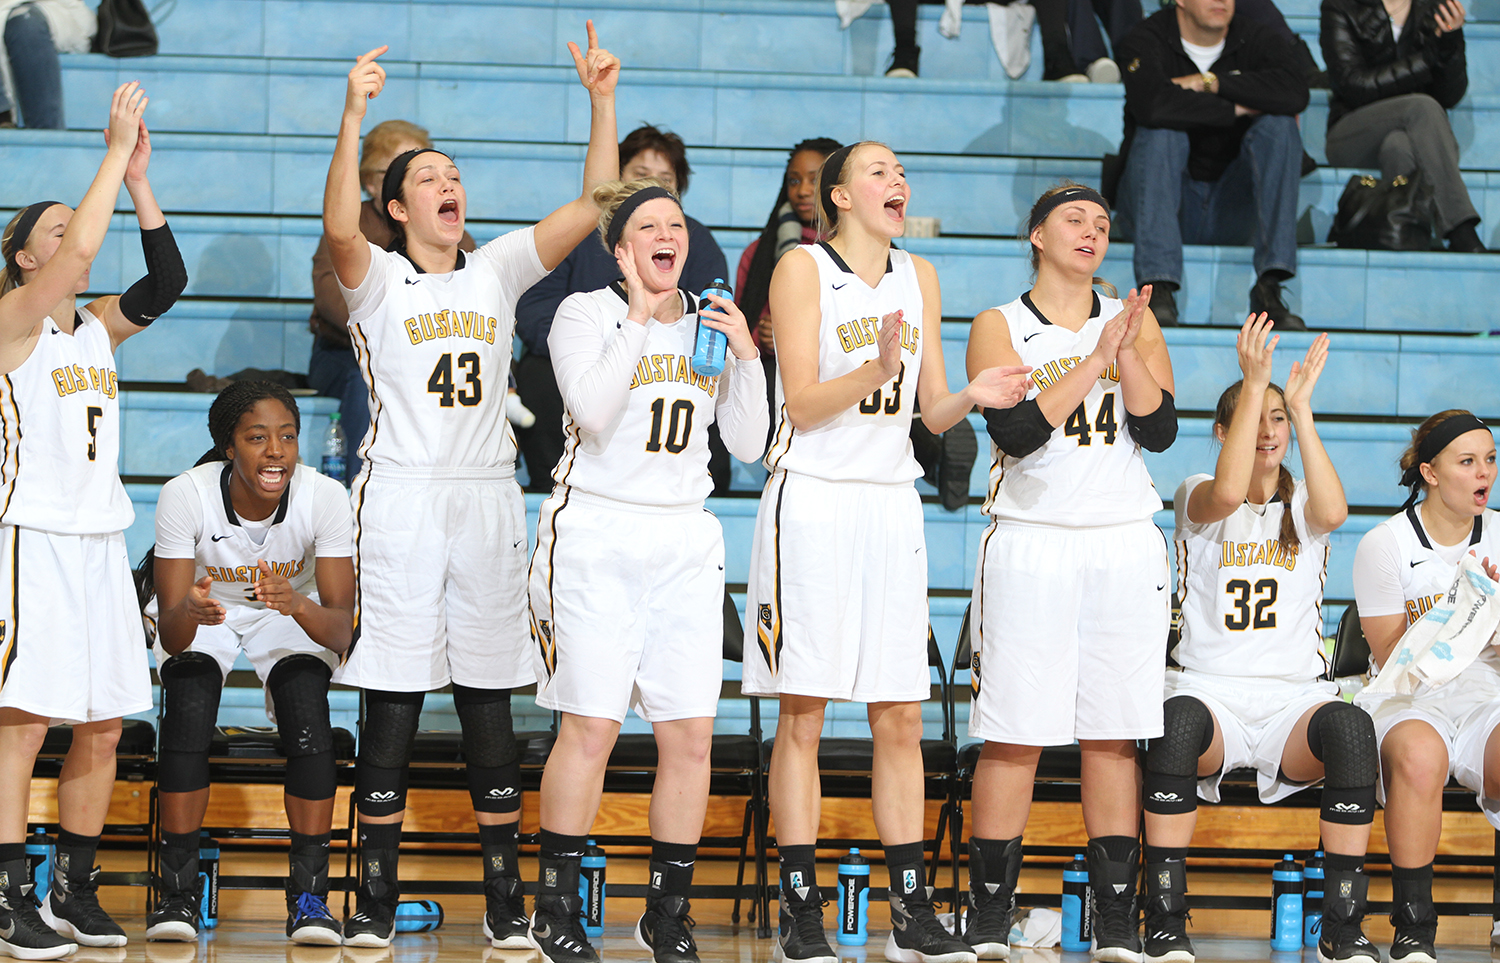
(1210, 81)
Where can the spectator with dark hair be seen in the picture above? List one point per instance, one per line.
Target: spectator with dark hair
(332, 370)
(646, 151)
(1395, 68)
(1211, 152)
(34, 31)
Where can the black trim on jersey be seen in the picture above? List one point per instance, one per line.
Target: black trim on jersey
(15, 604)
(10, 490)
(839, 262)
(768, 637)
(458, 265)
(229, 512)
(549, 644)
(1474, 537)
(1031, 306)
(689, 302)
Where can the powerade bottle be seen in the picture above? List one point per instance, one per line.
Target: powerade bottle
(418, 916)
(208, 874)
(591, 890)
(1077, 918)
(708, 356)
(1286, 906)
(39, 850)
(1312, 898)
(854, 899)
(334, 446)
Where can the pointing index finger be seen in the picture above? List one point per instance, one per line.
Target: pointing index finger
(593, 35)
(372, 54)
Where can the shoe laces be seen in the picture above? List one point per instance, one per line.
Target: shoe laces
(182, 901)
(676, 931)
(991, 914)
(510, 899)
(1161, 919)
(807, 919)
(919, 907)
(1114, 918)
(23, 908)
(312, 907)
(83, 896)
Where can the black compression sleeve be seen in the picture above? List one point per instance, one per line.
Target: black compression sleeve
(166, 277)
(1156, 431)
(1019, 430)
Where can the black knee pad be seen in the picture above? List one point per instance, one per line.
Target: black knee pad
(491, 756)
(1342, 737)
(1171, 777)
(313, 777)
(385, 742)
(191, 686)
(379, 791)
(298, 685)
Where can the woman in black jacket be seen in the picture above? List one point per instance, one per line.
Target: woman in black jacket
(1395, 67)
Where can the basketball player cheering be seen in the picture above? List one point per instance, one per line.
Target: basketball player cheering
(252, 553)
(1251, 688)
(1070, 592)
(838, 581)
(627, 581)
(440, 530)
(71, 646)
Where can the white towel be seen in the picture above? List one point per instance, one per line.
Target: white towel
(851, 10)
(952, 20)
(1447, 638)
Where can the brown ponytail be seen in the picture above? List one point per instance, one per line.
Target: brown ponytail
(1285, 484)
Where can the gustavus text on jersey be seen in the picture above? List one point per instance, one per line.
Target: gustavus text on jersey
(1049, 373)
(653, 368)
(451, 324)
(1269, 552)
(72, 378)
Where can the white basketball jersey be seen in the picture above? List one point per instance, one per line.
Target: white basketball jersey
(1249, 608)
(1090, 472)
(313, 519)
(435, 350)
(655, 452)
(60, 435)
(871, 442)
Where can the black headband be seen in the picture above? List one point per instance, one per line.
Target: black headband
(832, 168)
(29, 216)
(395, 172)
(1051, 203)
(627, 208)
(1440, 437)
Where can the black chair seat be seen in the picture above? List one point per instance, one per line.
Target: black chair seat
(636, 751)
(137, 739)
(857, 756)
(443, 748)
(263, 743)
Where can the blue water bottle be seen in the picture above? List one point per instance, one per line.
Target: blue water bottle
(418, 916)
(1286, 906)
(591, 890)
(854, 899)
(39, 850)
(708, 356)
(1312, 898)
(208, 875)
(1077, 918)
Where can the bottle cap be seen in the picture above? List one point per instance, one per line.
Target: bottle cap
(853, 850)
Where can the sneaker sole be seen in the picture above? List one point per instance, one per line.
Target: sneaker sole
(38, 953)
(1353, 959)
(900, 954)
(1183, 956)
(173, 932)
(64, 928)
(368, 939)
(1116, 954)
(1415, 957)
(778, 955)
(992, 951)
(520, 941)
(316, 936)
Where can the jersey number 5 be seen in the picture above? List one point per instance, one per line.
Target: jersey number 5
(1239, 620)
(872, 406)
(95, 414)
(441, 382)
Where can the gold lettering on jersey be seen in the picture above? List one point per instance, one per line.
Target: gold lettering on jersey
(451, 324)
(854, 335)
(1269, 552)
(1418, 607)
(656, 368)
(250, 573)
(70, 379)
(1050, 373)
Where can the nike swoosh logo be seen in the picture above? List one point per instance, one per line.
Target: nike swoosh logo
(840, 287)
(1160, 587)
(899, 923)
(517, 543)
(411, 280)
(1415, 564)
(1030, 336)
(6, 932)
(55, 331)
(217, 538)
(545, 932)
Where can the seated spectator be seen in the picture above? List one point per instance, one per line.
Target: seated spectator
(645, 152)
(1073, 48)
(1211, 152)
(332, 370)
(1395, 68)
(31, 91)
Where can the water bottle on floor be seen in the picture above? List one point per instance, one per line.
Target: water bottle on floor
(1312, 898)
(591, 889)
(1077, 920)
(418, 916)
(208, 875)
(854, 899)
(39, 850)
(1286, 906)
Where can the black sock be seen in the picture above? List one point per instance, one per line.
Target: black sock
(671, 868)
(311, 845)
(799, 868)
(182, 842)
(561, 846)
(1410, 884)
(1340, 863)
(497, 847)
(559, 863)
(1165, 854)
(75, 855)
(10, 852)
(380, 835)
(907, 864)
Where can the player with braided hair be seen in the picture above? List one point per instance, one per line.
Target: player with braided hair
(253, 552)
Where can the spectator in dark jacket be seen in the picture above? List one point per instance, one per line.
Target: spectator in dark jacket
(1395, 68)
(645, 152)
(1211, 153)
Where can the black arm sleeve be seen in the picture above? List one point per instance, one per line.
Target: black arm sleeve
(166, 277)
(1020, 430)
(1156, 431)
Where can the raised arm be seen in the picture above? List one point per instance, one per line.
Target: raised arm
(995, 387)
(22, 308)
(559, 232)
(1222, 494)
(347, 244)
(1327, 506)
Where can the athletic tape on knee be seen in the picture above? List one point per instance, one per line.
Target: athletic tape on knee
(379, 791)
(495, 789)
(191, 686)
(489, 737)
(1342, 736)
(389, 728)
(299, 690)
(312, 777)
